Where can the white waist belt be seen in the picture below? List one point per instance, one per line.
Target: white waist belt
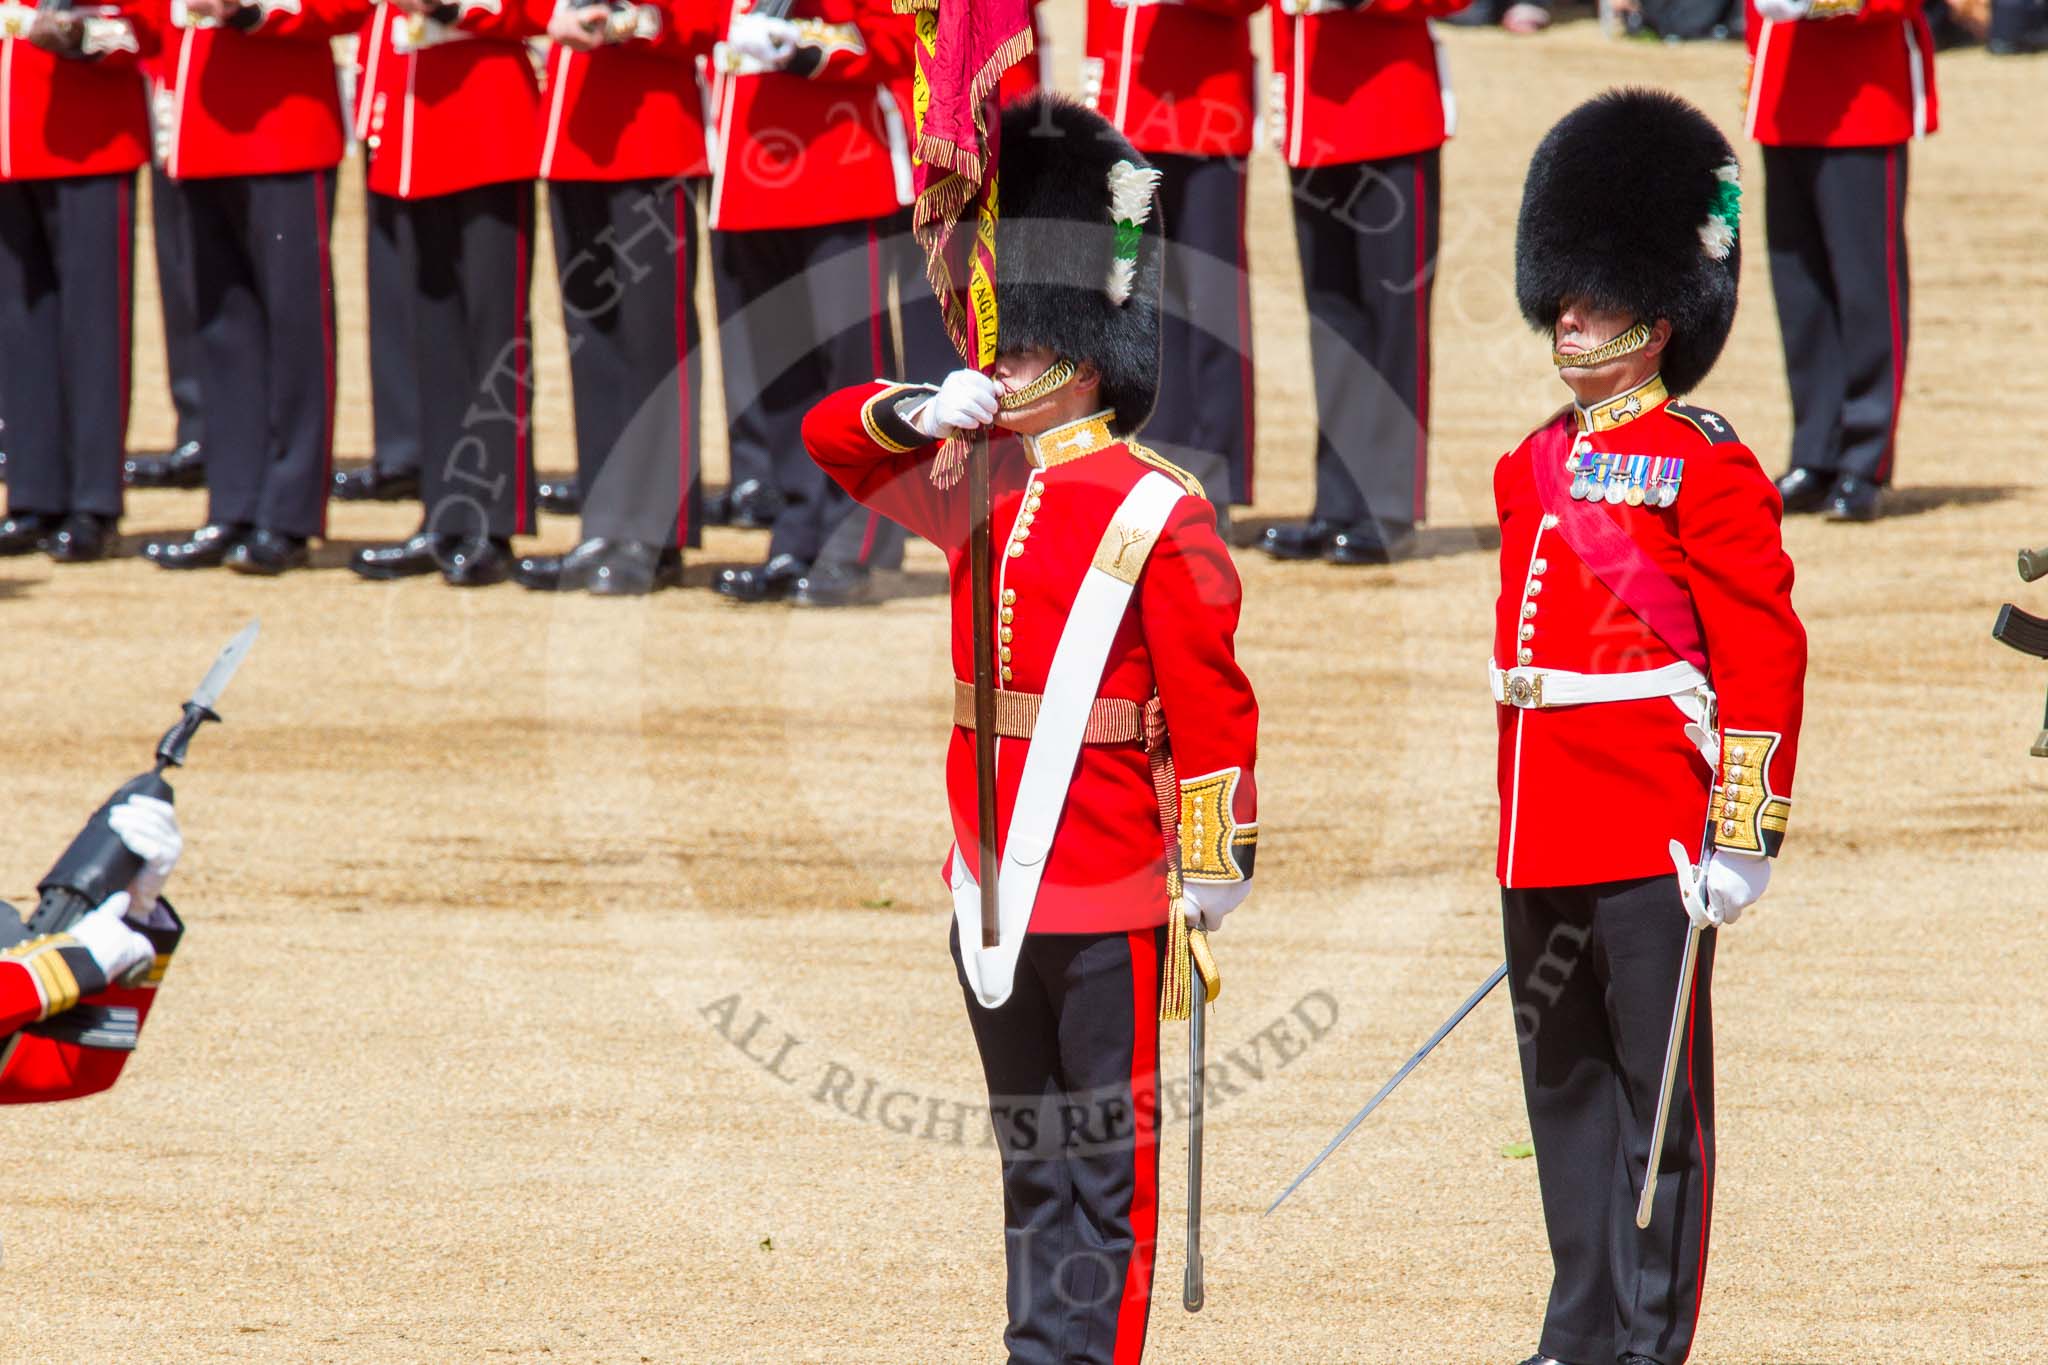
(1536, 689)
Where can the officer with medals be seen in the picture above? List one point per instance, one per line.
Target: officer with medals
(1649, 672)
(1118, 605)
(73, 1003)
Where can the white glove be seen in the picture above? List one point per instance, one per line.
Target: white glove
(1209, 902)
(1734, 881)
(763, 39)
(150, 829)
(1784, 11)
(116, 948)
(965, 402)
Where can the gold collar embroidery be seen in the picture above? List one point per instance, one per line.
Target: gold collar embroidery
(1083, 436)
(1609, 413)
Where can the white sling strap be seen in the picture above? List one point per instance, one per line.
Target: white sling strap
(1070, 689)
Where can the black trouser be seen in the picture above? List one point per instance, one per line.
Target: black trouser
(66, 266)
(1366, 233)
(1594, 971)
(171, 231)
(1203, 420)
(801, 312)
(1072, 1064)
(1836, 218)
(473, 250)
(264, 288)
(392, 275)
(2012, 19)
(627, 255)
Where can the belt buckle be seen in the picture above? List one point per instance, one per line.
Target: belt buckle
(1526, 692)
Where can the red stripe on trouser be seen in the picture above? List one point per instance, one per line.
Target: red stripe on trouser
(326, 340)
(1699, 1138)
(522, 347)
(1894, 229)
(1136, 1307)
(124, 300)
(684, 397)
(1423, 208)
(875, 358)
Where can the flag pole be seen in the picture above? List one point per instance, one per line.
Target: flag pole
(981, 572)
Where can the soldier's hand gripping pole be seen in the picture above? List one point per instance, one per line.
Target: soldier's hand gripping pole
(1191, 1292)
(981, 572)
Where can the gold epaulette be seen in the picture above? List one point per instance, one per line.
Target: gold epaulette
(1188, 482)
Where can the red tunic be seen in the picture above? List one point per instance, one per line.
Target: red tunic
(34, 1069)
(75, 116)
(631, 110)
(1359, 84)
(1174, 77)
(258, 102)
(455, 108)
(832, 146)
(1863, 77)
(1595, 792)
(1107, 870)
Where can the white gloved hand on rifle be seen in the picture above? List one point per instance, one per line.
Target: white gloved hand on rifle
(965, 402)
(115, 947)
(150, 829)
(1784, 11)
(763, 39)
(1208, 902)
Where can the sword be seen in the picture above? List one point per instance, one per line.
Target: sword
(1471, 1002)
(1681, 1009)
(1191, 1294)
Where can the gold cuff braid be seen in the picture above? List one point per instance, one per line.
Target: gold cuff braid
(1748, 817)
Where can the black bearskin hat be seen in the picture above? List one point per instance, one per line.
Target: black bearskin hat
(1057, 249)
(1632, 202)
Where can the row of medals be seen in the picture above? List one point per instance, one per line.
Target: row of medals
(1600, 476)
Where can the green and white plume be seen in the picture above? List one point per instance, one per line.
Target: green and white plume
(1131, 189)
(1724, 219)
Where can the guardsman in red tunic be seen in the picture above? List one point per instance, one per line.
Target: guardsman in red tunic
(455, 112)
(1117, 605)
(1837, 88)
(74, 126)
(622, 150)
(810, 166)
(1361, 107)
(73, 1004)
(1176, 78)
(253, 132)
(1649, 671)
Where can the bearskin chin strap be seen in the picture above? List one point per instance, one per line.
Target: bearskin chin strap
(1628, 343)
(1056, 375)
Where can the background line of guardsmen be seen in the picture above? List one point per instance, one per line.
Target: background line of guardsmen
(786, 123)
